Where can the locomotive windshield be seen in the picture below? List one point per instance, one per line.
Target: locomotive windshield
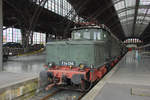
(88, 34)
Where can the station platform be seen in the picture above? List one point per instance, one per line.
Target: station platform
(13, 85)
(128, 80)
(20, 76)
(25, 64)
(8, 79)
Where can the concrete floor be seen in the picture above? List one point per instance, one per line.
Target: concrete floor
(20, 69)
(25, 64)
(8, 79)
(133, 73)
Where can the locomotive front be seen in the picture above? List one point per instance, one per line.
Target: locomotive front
(77, 62)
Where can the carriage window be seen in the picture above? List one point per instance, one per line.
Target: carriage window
(86, 35)
(77, 36)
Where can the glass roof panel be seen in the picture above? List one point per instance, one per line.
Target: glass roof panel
(142, 10)
(144, 2)
(140, 17)
(130, 3)
(123, 20)
(126, 10)
(148, 12)
(122, 14)
(129, 12)
(147, 18)
(127, 19)
(144, 22)
(116, 1)
(119, 5)
(130, 18)
(129, 22)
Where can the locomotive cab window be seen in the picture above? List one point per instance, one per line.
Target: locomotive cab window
(89, 34)
(77, 35)
(86, 35)
(97, 36)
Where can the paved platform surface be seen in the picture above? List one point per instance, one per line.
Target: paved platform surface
(21, 69)
(133, 70)
(129, 80)
(133, 74)
(8, 79)
(25, 64)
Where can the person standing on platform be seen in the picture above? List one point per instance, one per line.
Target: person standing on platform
(137, 55)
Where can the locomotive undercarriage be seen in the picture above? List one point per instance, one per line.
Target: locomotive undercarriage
(75, 83)
(67, 77)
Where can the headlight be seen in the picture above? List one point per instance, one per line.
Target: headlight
(81, 66)
(51, 64)
(92, 66)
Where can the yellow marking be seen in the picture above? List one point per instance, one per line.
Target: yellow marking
(140, 92)
(31, 53)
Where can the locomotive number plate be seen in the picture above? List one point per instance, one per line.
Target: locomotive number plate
(67, 63)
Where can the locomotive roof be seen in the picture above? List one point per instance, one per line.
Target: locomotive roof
(88, 27)
(92, 27)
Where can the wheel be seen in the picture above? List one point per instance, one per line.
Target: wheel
(43, 79)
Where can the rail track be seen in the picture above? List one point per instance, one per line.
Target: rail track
(53, 95)
(50, 95)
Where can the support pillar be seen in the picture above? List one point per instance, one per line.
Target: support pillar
(47, 37)
(31, 37)
(1, 30)
(25, 38)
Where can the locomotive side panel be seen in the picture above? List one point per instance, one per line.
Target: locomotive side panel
(115, 46)
(100, 54)
(70, 53)
(82, 53)
(56, 51)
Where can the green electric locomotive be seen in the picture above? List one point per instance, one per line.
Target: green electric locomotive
(79, 62)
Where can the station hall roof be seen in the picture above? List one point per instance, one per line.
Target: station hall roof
(125, 18)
